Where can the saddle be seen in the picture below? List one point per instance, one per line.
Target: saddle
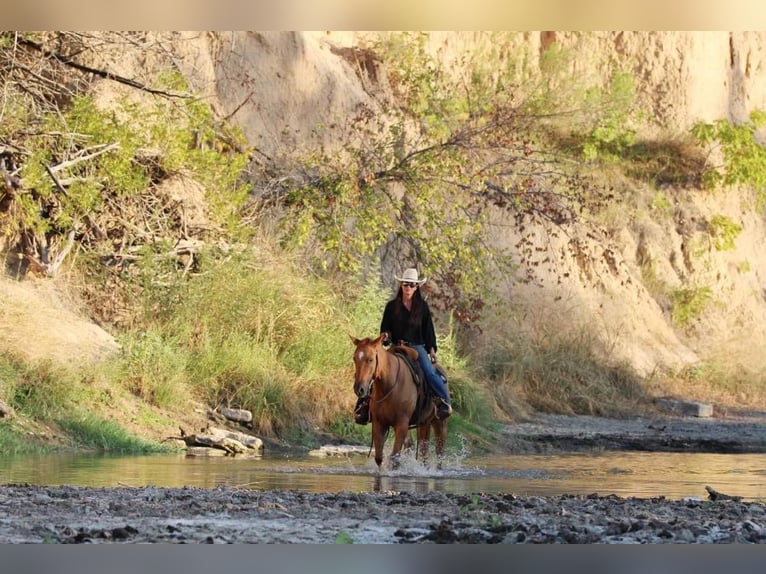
(427, 400)
(426, 403)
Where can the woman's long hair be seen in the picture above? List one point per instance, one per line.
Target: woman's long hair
(416, 313)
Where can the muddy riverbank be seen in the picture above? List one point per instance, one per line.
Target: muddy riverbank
(211, 516)
(68, 514)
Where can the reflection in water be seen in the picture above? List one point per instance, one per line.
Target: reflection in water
(673, 475)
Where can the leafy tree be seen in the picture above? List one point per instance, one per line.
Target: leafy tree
(424, 176)
(77, 174)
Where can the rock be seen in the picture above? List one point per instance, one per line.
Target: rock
(339, 450)
(250, 441)
(237, 415)
(688, 408)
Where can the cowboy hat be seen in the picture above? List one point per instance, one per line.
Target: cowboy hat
(410, 276)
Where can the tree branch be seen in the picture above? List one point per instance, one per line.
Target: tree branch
(67, 61)
(71, 162)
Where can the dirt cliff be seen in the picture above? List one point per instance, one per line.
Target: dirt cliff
(280, 86)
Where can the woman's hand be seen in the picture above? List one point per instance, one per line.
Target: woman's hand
(432, 355)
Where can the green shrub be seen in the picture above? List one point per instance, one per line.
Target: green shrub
(688, 304)
(724, 232)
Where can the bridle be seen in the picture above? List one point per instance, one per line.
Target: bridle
(377, 378)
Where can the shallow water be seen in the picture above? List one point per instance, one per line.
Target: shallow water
(639, 474)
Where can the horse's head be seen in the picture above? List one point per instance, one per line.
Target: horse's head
(366, 364)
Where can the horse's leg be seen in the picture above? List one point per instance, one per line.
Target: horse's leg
(440, 437)
(378, 437)
(401, 432)
(423, 436)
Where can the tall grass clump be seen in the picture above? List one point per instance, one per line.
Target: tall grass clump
(563, 374)
(475, 419)
(93, 432)
(252, 332)
(719, 380)
(14, 441)
(365, 308)
(245, 373)
(153, 368)
(41, 391)
(60, 398)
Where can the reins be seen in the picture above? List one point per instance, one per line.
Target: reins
(377, 377)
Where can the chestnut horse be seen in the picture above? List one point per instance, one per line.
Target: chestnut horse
(387, 379)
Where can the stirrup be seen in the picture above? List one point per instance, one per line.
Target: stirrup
(362, 411)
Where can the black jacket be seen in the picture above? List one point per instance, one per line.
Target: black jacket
(396, 322)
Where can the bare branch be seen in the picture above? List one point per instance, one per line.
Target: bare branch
(71, 162)
(67, 61)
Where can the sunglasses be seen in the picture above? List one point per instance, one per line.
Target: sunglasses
(409, 284)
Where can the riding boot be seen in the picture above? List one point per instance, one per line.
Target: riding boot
(362, 411)
(443, 409)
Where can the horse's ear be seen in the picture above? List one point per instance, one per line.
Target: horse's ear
(378, 339)
(354, 340)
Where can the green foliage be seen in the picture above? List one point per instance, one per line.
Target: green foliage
(665, 161)
(344, 538)
(724, 231)
(342, 425)
(598, 118)
(41, 391)
(469, 398)
(660, 202)
(244, 373)
(249, 334)
(14, 441)
(608, 126)
(744, 157)
(365, 309)
(94, 171)
(192, 141)
(61, 397)
(688, 304)
(649, 278)
(456, 144)
(153, 369)
(744, 267)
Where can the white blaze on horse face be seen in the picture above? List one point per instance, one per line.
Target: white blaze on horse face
(360, 355)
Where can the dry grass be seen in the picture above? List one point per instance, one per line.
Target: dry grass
(550, 370)
(726, 386)
(38, 323)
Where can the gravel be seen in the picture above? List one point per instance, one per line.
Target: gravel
(69, 514)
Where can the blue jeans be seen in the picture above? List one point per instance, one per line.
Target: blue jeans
(433, 378)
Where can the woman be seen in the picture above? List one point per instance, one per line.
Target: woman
(407, 319)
